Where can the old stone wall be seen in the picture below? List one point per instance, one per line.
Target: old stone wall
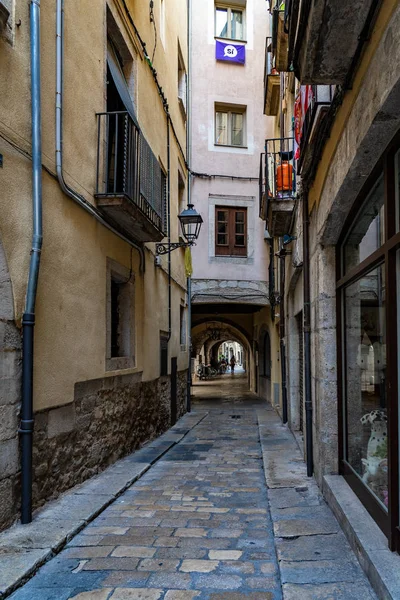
(323, 354)
(182, 393)
(10, 391)
(109, 418)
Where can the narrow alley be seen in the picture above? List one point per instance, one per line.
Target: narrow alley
(225, 514)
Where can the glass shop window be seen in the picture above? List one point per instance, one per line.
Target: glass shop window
(368, 231)
(365, 372)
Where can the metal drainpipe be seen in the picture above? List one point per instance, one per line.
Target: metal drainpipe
(189, 193)
(282, 324)
(169, 228)
(28, 319)
(307, 337)
(59, 114)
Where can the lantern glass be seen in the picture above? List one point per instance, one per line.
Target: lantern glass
(190, 223)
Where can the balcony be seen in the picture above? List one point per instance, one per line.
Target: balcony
(313, 125)
(324, 36)
(280, 40)
(277, 185)
(130, 189)
(272, 83)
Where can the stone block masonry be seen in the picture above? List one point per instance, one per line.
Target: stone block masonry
(10, 392)
(108, 419)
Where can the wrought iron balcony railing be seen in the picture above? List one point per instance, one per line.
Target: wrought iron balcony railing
(128, 169)
(277, 185)
(280, 173)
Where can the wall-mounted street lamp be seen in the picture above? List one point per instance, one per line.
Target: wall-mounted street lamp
(191, 222)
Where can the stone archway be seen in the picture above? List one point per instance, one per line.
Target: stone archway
(229, 331)
(10, 392)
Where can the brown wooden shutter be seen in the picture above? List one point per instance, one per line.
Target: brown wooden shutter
(230, 231)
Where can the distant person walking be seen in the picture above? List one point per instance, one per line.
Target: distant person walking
(232, 362)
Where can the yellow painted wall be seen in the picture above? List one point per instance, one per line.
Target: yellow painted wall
(70, 333)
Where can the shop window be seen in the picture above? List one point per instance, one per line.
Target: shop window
(365, 371)
(230, 125)
(230, 231)
(368, 231)
(229, 22)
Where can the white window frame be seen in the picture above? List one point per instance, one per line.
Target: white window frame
(182, 82)
(162, 22)
(229, 8)
(230, 109)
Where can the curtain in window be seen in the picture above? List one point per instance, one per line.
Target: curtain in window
(237, 24)
(237, 129)
(221, 128)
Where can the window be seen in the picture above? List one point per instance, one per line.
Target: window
(162, 22)
(230, 231)
(120, 317)
(230, 126)
(183, 327)
(229, 22)
(181, 82)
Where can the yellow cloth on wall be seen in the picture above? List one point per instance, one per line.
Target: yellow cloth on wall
(188, 262)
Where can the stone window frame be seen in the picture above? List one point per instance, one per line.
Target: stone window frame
(126, 277)
(248, 202)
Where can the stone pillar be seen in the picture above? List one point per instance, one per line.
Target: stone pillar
(324, 359)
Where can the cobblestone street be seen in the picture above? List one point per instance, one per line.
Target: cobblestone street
(199, 523)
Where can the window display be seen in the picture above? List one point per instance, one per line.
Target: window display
(366, 381)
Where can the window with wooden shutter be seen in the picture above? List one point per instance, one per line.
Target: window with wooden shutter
(230, 231)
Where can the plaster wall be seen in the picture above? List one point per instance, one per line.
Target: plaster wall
(72, 294)
(70, 331)
(228, 83)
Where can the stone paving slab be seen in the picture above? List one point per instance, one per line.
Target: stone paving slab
(23, 548)
(315, 559)
(227, 513)
(195, 525)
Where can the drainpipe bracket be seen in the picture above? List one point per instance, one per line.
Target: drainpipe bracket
(26, 426)
(28, 319)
